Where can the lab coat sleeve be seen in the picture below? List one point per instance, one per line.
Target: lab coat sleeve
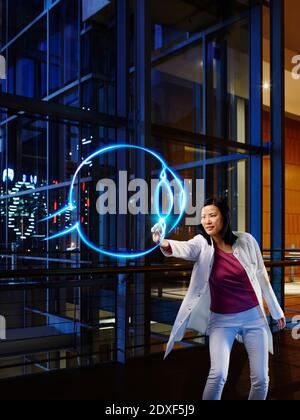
(189, 250)
(267, 290)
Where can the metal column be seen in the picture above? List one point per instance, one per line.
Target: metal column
(122, 288)
(255, 188)
(278, 144)
(142, 294)
(143, 72)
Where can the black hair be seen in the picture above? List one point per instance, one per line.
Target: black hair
(226, 233)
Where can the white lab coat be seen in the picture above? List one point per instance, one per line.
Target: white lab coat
(195, 311)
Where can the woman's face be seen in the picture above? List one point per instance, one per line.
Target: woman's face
(212, 220)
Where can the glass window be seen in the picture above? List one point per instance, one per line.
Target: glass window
(98, 51)
(69, 97)
(58, 198)
(63, 152)
(188, 18)
(177, 89)
(99, 95)
(230, 180)
(64, 44)
(206, 173)
(27, 157)
(98, 58)
(4, 174)
(21, 14)
(228, 83)
(266, 83)
(24, 174)
(3, 167)
(3, 25)
(27, 66)
(26, 208)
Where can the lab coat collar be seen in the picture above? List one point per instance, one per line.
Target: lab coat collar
(234, 246)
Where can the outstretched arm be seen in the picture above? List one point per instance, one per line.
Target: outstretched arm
(189, 250)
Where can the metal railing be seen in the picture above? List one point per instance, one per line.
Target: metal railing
(75, 317)
(290, 254)
(62, 318)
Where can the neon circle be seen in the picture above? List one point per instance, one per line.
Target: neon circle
(161, 219)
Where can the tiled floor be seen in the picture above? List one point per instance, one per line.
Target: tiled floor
(285, 368)
(181, 377)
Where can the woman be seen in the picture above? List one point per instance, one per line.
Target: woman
(225, 297)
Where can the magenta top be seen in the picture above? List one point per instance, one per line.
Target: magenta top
(231, 289)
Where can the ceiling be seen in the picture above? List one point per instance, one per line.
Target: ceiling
(181, 15)
(194, 15)
(292, 25)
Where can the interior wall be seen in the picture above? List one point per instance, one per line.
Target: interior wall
(292, 186)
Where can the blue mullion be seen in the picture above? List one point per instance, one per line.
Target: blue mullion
(122, 287)
(143, 121)
(255, 125)
(277, 145)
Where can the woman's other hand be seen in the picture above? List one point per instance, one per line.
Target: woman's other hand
(282, 324)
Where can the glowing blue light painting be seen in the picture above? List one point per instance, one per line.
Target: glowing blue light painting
(163, 219)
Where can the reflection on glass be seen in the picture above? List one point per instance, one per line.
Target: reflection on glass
(64, 49)
(174, 22)
(58, 197)
(27, 156)
(27, 63)
(65, 139)
(20, 14)
(228, 83)
(25, 208)
(177, 90)
(228, 180)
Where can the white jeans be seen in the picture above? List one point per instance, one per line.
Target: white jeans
(223, 330)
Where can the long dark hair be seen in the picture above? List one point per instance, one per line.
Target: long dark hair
(226, 233)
